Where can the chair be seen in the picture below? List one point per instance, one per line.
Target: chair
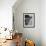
(29, 43)
(18, 39)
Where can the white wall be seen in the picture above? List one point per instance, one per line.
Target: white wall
(43, 22)
(6, 13)
(29, 6)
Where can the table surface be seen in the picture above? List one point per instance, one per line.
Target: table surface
(8, 43)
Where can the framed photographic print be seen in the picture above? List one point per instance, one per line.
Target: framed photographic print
(29, 20)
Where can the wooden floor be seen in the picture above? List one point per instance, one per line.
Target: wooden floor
(9, 43)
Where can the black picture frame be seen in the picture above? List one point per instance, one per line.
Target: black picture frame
(28, 20)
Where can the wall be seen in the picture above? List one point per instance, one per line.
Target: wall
(6, 13)
(28, 6)
(43, 22)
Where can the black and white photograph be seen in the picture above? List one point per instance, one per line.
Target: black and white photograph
(29, 20)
